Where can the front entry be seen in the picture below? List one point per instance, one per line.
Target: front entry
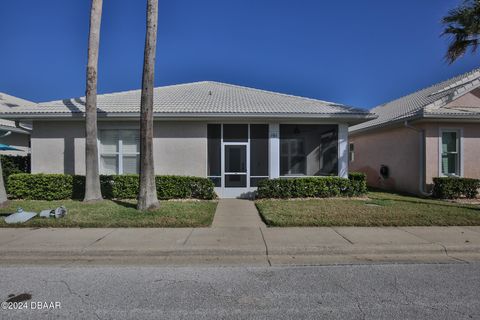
(235, 170)
(237, 158)
(235, 167)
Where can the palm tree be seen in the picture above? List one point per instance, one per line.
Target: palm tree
(3, 192)
(147, 196)
(92, 177)
(463, 26)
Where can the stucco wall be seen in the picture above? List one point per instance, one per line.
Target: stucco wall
(16, 140)
(471, 148)
(58, 147)
(179, 147)
(396, 148)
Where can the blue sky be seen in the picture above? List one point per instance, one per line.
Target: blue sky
(360, 53)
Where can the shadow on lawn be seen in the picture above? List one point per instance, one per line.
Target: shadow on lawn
(421, 200)
(125, 204)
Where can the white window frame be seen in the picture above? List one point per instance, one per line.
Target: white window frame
(119, 154)
(290, 155)
(459, 132)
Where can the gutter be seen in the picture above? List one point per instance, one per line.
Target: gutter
(352, 118)
(422, 158)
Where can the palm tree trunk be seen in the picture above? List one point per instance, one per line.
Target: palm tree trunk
(92, 177)
(3, 192)
(147, 196)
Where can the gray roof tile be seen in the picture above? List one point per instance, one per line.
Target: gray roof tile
(205, 97)
(426, 102)
(9, 103)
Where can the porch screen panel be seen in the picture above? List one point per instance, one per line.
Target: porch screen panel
(258, 153)
(308, 150)
(235, 133)
(329, 152)
(214, 132)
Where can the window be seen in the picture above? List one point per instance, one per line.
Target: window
(119, 151)
(292, 157)
(450, 156)
(308, 150)
(351, 153)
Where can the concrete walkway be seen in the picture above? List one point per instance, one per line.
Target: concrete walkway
(237, 213)
(238, 245)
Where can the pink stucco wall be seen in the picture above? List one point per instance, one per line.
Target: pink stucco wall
(396, 148)
(399, 149)
(471, 148)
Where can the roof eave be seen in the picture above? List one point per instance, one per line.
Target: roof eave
(385, 124)
(351, 118)
(441, 116)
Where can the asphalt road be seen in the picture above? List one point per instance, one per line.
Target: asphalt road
(408, 291)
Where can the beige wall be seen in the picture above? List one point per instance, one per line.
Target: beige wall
(471, 148)
(180, 148)
(16, 140)
(396, 148)
(58, 147)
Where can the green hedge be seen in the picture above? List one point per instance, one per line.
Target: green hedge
(14, 164)
(313, 187)
(61, 186)
(454, 188)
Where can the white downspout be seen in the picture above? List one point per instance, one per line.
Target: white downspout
(421, 182)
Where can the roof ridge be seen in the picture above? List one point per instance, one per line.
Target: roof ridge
(15, 97)
(125, 91)
(276, 93)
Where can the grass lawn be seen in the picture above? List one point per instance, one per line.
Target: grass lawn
(379, 209)
(110, 213)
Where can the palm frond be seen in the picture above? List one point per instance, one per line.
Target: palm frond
(463, 26)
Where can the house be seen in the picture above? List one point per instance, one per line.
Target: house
(16, 135)
(234, 135)
(431, 133)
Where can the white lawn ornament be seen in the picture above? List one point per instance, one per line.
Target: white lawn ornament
(59, 212)
(20, 216)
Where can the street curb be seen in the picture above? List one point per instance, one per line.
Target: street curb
(435, 249)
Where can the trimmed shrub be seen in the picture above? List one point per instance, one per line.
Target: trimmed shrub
(61, 186)
(40, 186)
(313, 187)
(358, 183)
(454, 188)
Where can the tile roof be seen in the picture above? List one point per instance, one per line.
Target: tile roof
(428, 102)
(204, 97)
(8, 102)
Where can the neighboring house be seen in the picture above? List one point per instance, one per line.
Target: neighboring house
(14, 134)
(234, 135)
(430, 133)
